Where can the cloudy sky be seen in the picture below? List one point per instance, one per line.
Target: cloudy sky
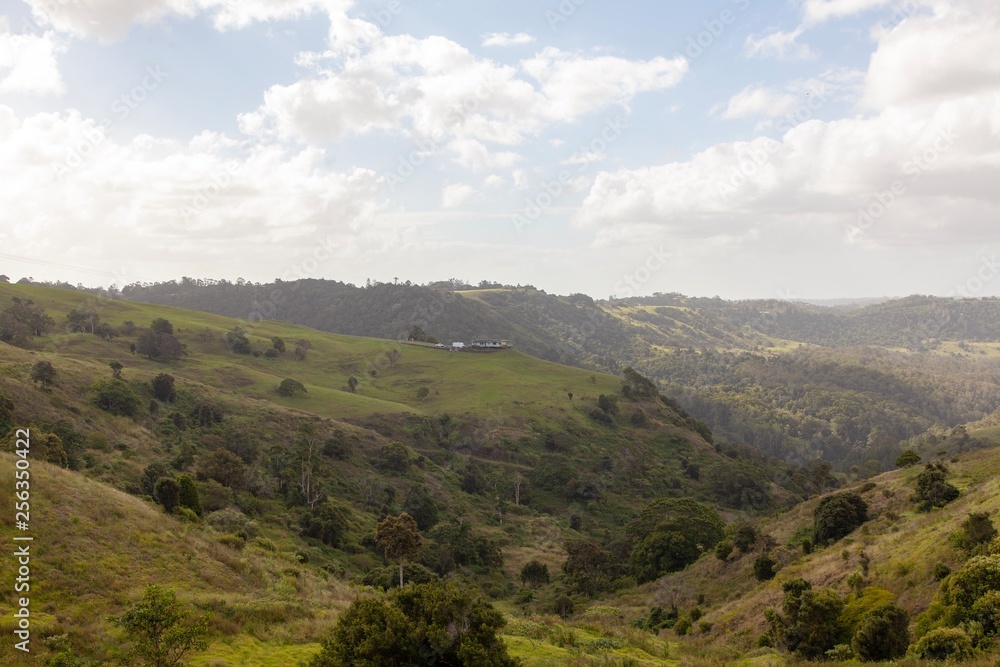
(744, 148)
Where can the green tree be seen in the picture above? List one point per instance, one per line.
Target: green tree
(763, 568)
(421, 506)
(422, 625)
(810, 623)
(278, 344)
(238, 342)
(535, 574)
(116, 369)
(6, 414)
(188, 494)
(157, 627)
(951, 644)
(977, 529)
(883, 634)
(837, 516)
(670, 534)
(589, 567)
(82, 321)
(423, 393)
(907, 458)
(168, 494)
(118, 398)
(161, 326)
(745, 536)
(163, 386)
(352, 383)
(44, 373)
(290, 387)
(932, 489)
(398, 537)
(327, 522)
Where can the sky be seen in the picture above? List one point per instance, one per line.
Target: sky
(739, 148)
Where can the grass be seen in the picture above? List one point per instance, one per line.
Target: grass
(506, 384)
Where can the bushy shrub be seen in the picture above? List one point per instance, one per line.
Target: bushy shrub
(944, 644)
(883, 634)
(763, 568)
(837, 516)
(932, 489)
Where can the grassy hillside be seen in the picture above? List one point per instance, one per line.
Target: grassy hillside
(798, 381)
(488, 422)
(902, 547)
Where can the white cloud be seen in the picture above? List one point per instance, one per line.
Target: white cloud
(455, 194)
(111, 19)
(779, 45)
(506, 39)
(29, 63)
(930, 58)
(585, 157)
(208, 202)
(435, 88)
(759, 101)
(820, 11)
(933, 137)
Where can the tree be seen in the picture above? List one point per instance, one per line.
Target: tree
(423, 392)
(290, 387)
(393, 456)
(837, 516)
(352, 383)
(421, 506)
(670, 534)
(224, 467)
(161, 326)
(883, 634)
(188, 494)
(534, 574)
(43, 373)
(932, 489)
(158, 629)
(159, 345)
(327, 522)
(116, 369)
(168, 494)
(810, 623)
(118, 398)
(763, 568)
(163, 388)
(392, 356)
(589, 567)
(22, 320)
(745, 536)
(82, 321)
(398, 537)
(422, 625)
(278, 344)
(951, 644)
(238, 342)
(907, 458)
(977, 529)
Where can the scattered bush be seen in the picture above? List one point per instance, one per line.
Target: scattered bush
(118, 398)
(944, 644)
(763, 568)
(932, 489)
(883, 634)
(535, 574)
(290, 387)
(837, 516)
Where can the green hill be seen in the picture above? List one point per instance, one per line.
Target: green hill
(505, 458)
